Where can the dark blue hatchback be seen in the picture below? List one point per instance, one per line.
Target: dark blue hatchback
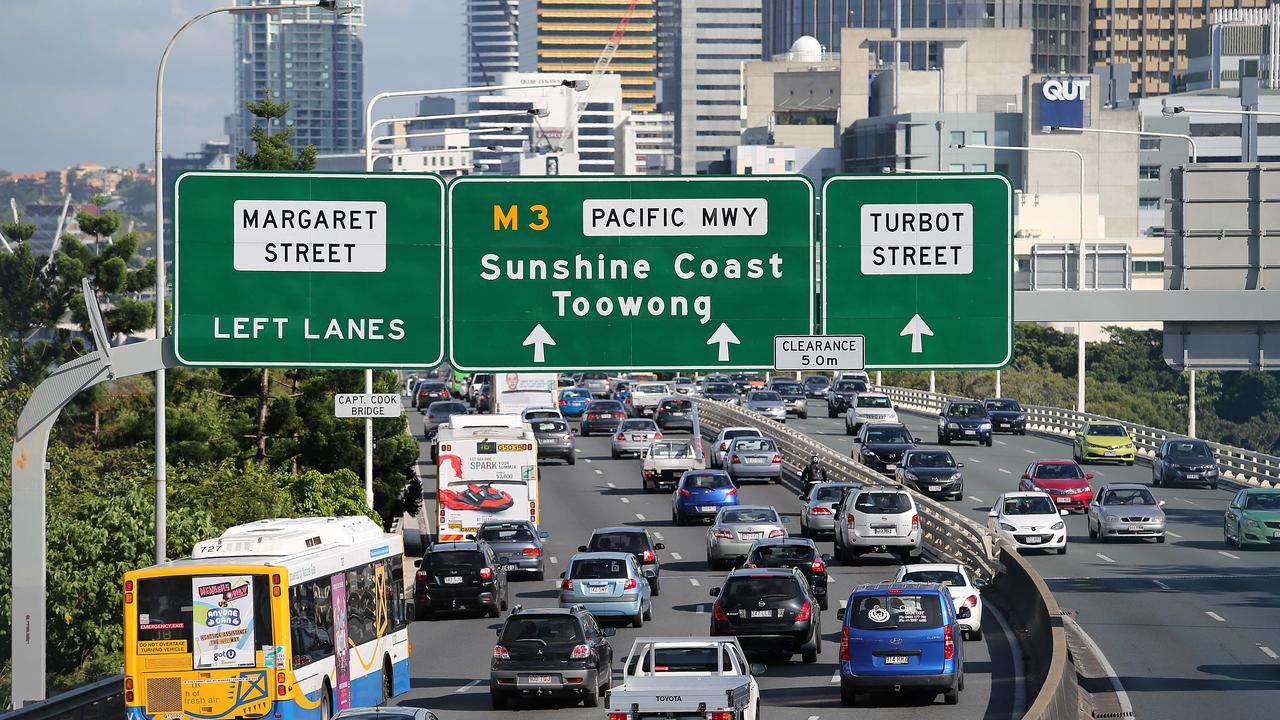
(900, 636)
(700, 494)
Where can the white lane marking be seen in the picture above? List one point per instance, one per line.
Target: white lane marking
(701, 609)
(639, 516)
(1029, 452)
(1161, 585)
(609, 484)
(658, 535)
(975, 499)
(1019, 671)
(1001, 442)
(1269, 652)
(625, 500)
(467, 687)
(1104, 557)
(1214, 615)
(1172, 534)
(694, 582)
(813, 717)
(601, 472)
(1224, 553)
(1185, 501)
(586, 460)
(577, 450)
(1122, 697)
(835, 676)
(973, 459)
(676, 556)
(554, 560)
(1006, 472)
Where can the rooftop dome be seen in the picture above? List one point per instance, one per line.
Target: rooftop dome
(806, 48)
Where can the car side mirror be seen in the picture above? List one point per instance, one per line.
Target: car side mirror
(608, 632)
(1088, 476)
(417, 562)
(758, 668)
(544, 535)
(980, 583)
(504, 561)
(575, 431)
(651, 573)
(963, 612)
(1026, 476)
(840, 614)
(1064, 512)
(959, 465)
(659, 546)
(826, 557)
(582, 548)
(562, 576)
(715, 592)
(993, 513)
(1161, 503)
(915, 439)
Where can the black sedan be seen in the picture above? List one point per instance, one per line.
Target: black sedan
(793, 552)
(931, 472)
(841, 396)
(603, 416)
(880, 446)
(1006, 415)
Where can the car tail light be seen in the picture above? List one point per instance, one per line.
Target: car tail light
(915, 523)
(718, 613)
(618, 716)
(566, 585)
(486, 573)
(128, 585)
(721, 715)
(592, 416)
(818, 566)
(564, 402)
(724, 534)
(422, 575)
(731, 491)
(776, 533)
(948, 643)
(844, 643)
(735, 460)
(630, 584)
(685, 493)
(531, 552)
(620, 436)
(580, 652)
(971, 601)
(777, 459)
(806, 612)
(657, 436)
(618, 416)
(648, 556)
(500, 653)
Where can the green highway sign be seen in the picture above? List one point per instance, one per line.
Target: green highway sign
(922, 265)
(617, 273)
(308, 270)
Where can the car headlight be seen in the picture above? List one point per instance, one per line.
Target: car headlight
(910, 476)
(1211, 471)
(1111, 519)
(955, 475)
(872, 453)
(953, 426)
(1251, 523)
(1081, 489)
(1058, 525)
(985, 426)
(1008, 527)
(1096, 445)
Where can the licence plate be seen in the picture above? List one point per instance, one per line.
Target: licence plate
(602, 590)
(895, 660)
(1005, 425)
(970, 432)
(750, 535)
(707, 508)
(1109, 453)
(1135, 528)
(935, 488)
(882, 530)
(1193, 476)
(761, 613)
(1276, 534)
(755, 461)
(891, 466)
(638, 438)
(1063, 500)
(454, 580)
(1033, 540)
(541, 679)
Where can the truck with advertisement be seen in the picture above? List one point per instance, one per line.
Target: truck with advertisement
(487, 470)
(515, 391)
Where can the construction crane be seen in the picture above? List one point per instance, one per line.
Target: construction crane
(601, 66)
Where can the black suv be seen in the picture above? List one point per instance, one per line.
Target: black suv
(793, 552)
(628, 539)
(1006, 415)
(722, 391)
(551, 651)
(1185, 460)
(458, 576)
(770, 611)
(964, 420)
(880, 446)
(841, 395)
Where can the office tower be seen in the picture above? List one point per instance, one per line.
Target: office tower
(572, 34)
(716, 38)
(493, 39)
(310, 58)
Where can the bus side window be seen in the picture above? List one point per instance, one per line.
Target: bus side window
(311, 621)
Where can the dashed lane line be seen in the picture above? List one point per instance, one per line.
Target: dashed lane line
(676, 556)
(835, 676)
(600, 472)
(1224, 553)
(975, 499)
(1029, 452)
(1006, 472)
(1269, 652)
(554, 560)
(694, 582)
(639, 516)
(658, 535)
(467, 687)
(1215, 616)
(611, 485)
(626, 500)
(586, 460)
(1001, 442)
(976, 460)
(1172, 534)
(1104, 558)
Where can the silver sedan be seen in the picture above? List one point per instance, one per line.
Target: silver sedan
(768, 403)
(818, 516)
(734, 530)
(1125, 510)
(634, 435)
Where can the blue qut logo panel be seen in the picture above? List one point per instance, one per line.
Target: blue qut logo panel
(1064, 102)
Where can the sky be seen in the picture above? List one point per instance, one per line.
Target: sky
(77, 77)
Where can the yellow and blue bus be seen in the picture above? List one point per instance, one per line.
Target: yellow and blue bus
(287, 619)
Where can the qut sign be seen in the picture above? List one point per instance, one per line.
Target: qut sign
(1064, 101)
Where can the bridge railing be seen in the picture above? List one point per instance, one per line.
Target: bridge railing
(1240, 467)
(100, 700)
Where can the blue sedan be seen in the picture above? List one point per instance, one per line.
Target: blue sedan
(700, 494)
(608, 584)
(574, 401)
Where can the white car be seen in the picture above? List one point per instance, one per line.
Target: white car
(855, 375)
(645, 396)
(721, 446)
(868, 407)
(539, 412)
(965, 594)
(1029, 520)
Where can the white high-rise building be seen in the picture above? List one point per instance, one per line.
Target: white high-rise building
(493, 39)
(716, 38)
(649, 144)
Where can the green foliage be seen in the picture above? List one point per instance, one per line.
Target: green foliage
(18, 232)
(274, 151)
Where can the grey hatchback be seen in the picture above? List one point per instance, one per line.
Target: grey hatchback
(520, 542)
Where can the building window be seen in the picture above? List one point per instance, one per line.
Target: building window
(1148, 266)
(978, 137)
(1149, 203)
(1022, 264)
(1149, 143)
(1149, 172)
(957, 137)
(1002, 137)
(978, 167)
(791, 166)
(955, 167)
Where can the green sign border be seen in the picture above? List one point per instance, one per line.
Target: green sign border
(1008, 357)
(448, 244)
(177, 351)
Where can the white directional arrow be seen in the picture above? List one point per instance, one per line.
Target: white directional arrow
(915, 329)
(539, 338)
(723, 335)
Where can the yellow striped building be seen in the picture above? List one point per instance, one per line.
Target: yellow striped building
(573, 33)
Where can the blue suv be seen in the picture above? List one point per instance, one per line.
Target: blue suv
(900, 636)
(964, 420)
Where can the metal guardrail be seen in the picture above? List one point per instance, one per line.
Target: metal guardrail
(100, 700)
(1240, 467)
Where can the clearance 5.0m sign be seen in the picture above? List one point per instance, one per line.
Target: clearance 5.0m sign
(308, 270)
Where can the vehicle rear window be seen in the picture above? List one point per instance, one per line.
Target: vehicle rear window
(778, 555)
(619, 542)
(551, 630)
(431, 386)
(453, 559)
(550, 426)
(446, 408)
(598, 569)
(751, 515)
(609, 406)
(896, 612)
(567, 394)
(883, 502)
(594, 376)
(684, 660)
(707, 481)
(677, 405)
(651, 388)
(1064, 471)
(829, 494)
(739, 590)
(874, 401)
(744, 432)
(788, 387)
(672, 450)
(640, 425)
(754, 445)
(506, 533)
(946, 578)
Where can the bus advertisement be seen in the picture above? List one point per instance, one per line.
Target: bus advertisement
(485, 473)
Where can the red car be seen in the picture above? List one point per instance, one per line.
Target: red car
(1063, 480)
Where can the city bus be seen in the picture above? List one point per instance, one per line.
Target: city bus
(486, 470)
(287, 618)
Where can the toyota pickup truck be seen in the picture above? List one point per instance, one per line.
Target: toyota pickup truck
(665, 461)
(645, 396)
(686, 677)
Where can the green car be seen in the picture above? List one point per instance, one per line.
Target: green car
(1253, 518)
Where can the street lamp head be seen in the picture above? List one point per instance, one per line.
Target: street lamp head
(1170, 110)
(577, 85)
(338, 7)
(539, 112)
(957, 146)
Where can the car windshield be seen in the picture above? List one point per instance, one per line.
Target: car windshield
(740, 590)
(1262, 501)
(821, 381)
(549, 630)
(446, 408)
(830, 493)
(1058, 471)
(1037, 505)
(639, 426)
(719, 389)
(671, 450)
(598, 569)
(888, 435)
(751, 444)
(930, 460)
(506, 533)
(780, 555)
(969, 410)
(765, 396)
(571, 394)
(883, 502)
(1004, 405)
(949, 578)
(708, 481)
(550, 426)
(874, 401)
(453, 559)
(608, 406)
(1190, 450)
(676, 406)
(792, 387)
(1106, 431)
(632, 542)
(850, 386)
(651, 388)
(1128, 496)
(751, 515)
(896, 612)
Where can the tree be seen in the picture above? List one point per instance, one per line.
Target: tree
(18, 231)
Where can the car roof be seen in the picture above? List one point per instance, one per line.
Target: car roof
(1053, 462)
(542, 408)
(1262, 491)
(790, 540)
(739, 427)
(838, 484)
(460, 545)
(750, 572)
(1024, 493)
(601, 555)
(1123, 486)
(567, 612)
(896, 586)
(1114, 423)
(505, 523)
(885, 425)
(752, 507)
(929, 567)
(1006, 399)
(705, 471)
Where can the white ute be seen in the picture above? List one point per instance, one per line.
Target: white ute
(686, 677)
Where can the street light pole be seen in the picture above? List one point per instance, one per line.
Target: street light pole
(162, 510)
(1080, 259)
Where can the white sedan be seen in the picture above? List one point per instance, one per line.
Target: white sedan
(1029, 520)
(964, 592)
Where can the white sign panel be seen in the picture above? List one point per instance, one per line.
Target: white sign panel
(819, 352)
(310, 236)
(378, 405)
(917, 239)
(222, 612)
(646, 218)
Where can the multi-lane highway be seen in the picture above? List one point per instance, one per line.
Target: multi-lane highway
(1192, 627)
(451, 655)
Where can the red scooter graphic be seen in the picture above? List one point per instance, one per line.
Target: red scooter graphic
(478, 496)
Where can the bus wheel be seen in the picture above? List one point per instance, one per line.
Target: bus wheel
(388, 685)
(326, 702)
